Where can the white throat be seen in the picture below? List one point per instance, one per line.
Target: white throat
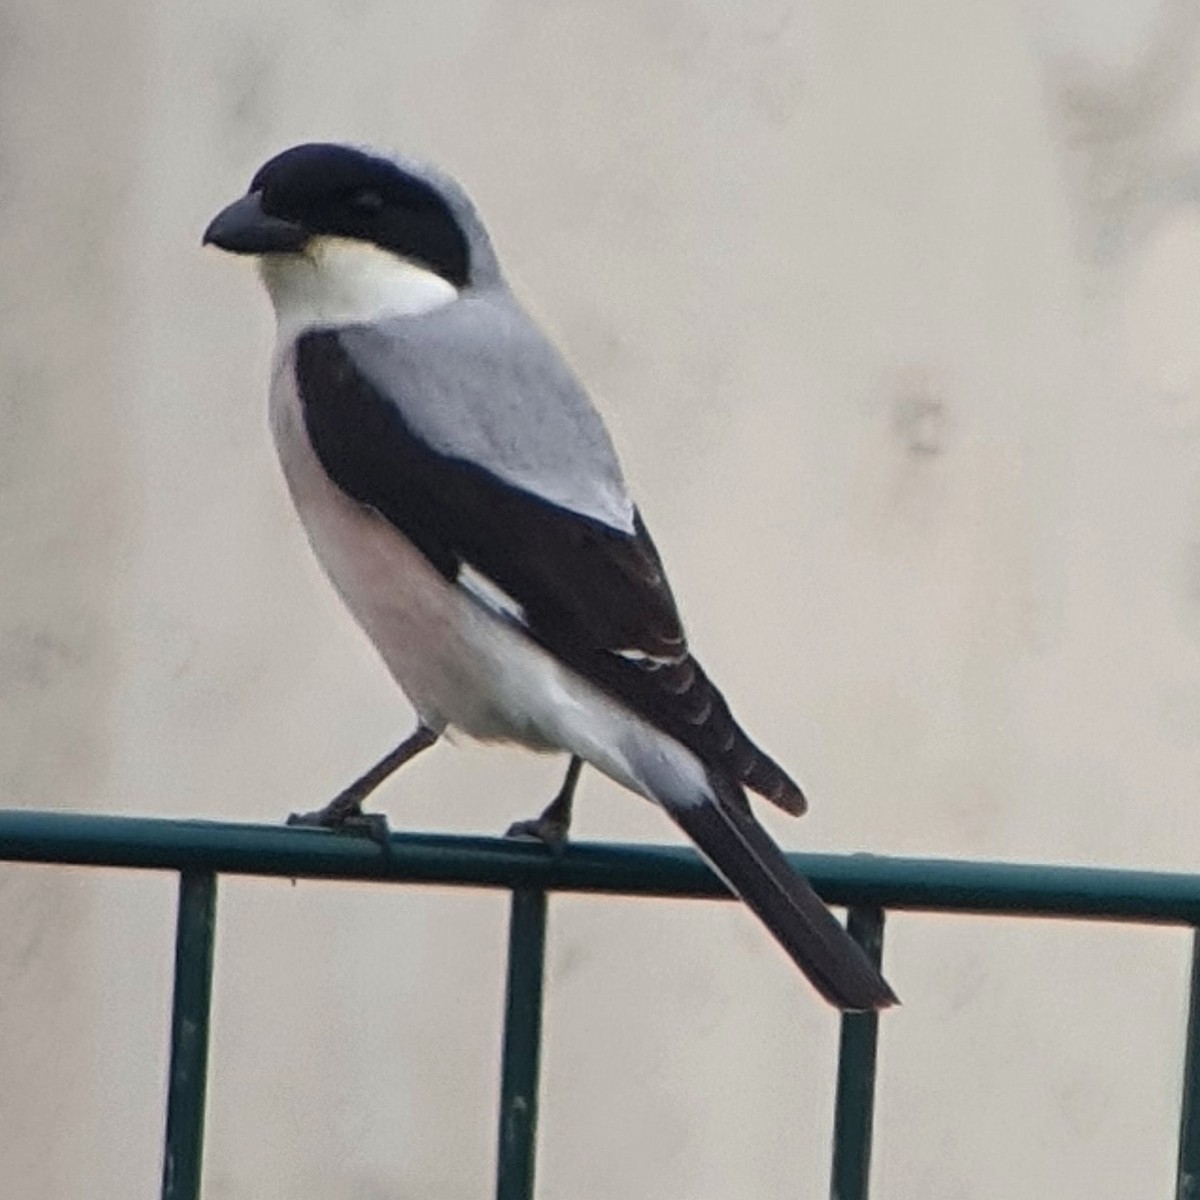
(339, 281)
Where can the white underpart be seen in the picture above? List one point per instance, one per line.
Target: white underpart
(459, 663)
(490, 593)
(341, 281)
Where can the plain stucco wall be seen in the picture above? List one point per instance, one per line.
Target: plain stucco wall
(892, 312)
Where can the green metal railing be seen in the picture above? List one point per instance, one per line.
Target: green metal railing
(867, 886)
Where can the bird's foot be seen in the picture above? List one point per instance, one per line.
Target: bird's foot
(342, 817)
(550, 832)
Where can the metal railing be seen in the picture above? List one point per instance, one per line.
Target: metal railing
(867, 886)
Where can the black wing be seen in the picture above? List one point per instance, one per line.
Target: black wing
(594, 596)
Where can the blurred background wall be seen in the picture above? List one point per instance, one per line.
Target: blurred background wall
(892, 310)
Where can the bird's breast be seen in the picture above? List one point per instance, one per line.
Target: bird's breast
(389, 587)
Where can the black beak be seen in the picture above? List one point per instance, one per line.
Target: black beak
(243, 228)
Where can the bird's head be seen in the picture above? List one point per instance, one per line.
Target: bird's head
(344, 235)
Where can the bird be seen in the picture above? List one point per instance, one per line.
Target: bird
(465, 500)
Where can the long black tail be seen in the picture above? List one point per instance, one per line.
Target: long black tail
(743, 854)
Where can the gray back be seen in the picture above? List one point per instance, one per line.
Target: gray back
(478, 381)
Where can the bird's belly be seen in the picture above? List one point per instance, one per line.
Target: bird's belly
(416, 619)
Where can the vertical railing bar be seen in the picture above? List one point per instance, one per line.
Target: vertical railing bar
(188, 1077)
(1187, 1179)
(855, 1105)
(517, 1154)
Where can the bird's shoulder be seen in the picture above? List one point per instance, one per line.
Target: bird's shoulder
(477, 382)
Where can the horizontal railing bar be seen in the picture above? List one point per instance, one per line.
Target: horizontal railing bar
(929, 885)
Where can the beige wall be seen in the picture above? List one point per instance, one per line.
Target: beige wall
(892, 311)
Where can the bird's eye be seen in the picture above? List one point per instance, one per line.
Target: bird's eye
(367, 201)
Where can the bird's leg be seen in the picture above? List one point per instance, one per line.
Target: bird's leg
(554, 824)
(344, 811)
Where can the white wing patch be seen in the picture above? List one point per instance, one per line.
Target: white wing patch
(652, 662)
(490, 594)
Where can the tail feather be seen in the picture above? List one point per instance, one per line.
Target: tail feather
(744, 855)
(766, 777)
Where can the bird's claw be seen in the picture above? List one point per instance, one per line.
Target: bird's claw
(552, 834)
(353, 821)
